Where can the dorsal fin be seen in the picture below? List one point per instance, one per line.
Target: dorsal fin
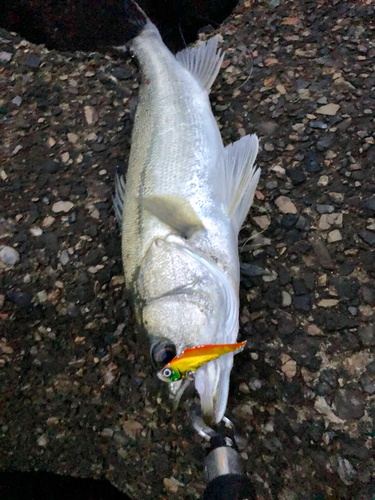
(239, 178)
(203, 62)
(174, 211)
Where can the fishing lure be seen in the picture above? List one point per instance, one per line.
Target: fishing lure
(191, 359)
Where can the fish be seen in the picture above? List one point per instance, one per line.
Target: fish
(180, 210)
(193, 358)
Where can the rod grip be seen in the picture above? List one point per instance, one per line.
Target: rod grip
(230, 487)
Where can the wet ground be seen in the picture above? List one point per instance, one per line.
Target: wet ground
(77, 394)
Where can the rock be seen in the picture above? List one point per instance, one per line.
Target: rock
(370, 203)
(48, 221)
(323, 181)
(17, 100)
(328, 220)
(314, 330)
(42, 297)
(91, 115)
(251, 270)
(286, 299)
(296, 176)
(349, 404)
(36, 231)
(271, 185)
(312, 163)
(368, 237)
(285, 205)
(322, 253)
(42, 440)
(9, 256)
(33, 61)
(325, 209)
(62, 206)
(366, 334)
(334, 236)
(317, 124)
(19, 298)
(262, 221)
(345, 470)
(328, 303)
(368, 384)
(289, 366)
(64, 257)
(65, 157)
(302, 302)
(325, 142)
(5, 57)
(329, 109)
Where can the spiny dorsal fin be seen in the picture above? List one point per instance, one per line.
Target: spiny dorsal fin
(174, 211)
(239, 178)
(203, 62)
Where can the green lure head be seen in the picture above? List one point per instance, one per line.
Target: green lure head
(169, 374)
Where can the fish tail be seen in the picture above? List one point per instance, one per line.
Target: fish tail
(137, 23)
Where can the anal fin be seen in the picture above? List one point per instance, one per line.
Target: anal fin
(174, 211)
(118, 198)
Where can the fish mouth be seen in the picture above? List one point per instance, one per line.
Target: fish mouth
(212, 384)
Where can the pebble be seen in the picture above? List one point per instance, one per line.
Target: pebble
(73, 138)
(368, 384)
(288, 366)
(349, 404)
(33, 61)
(36, 231)
(334, 236)
(323, 181)
(42, 296)
(42, 440)
(329, 109)
(370, 203)
(286, 299)
(328, 303)
(17, 100)
(328, 220)
(366, 334)
(317, 124)
(302, 302)
(325, 209)
(271, 185)
(312, 163)
(65, 157)
(314, 330)
(5, 56)
(285, 205)
(368, 237)
(19, 298)
(62, 206)
(345, 470)
(64, 257)
(297, 176)
(48, 221)
(9, 256)
(91, 115)
(262, 221)
(51, 142)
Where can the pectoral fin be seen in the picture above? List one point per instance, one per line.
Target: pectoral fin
(174, 211)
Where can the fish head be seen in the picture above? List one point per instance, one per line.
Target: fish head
(182, 321)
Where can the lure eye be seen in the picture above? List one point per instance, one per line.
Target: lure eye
(162, 352)
(167, 372)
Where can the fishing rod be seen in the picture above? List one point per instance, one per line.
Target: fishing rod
(224, 474)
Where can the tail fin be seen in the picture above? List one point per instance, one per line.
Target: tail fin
(136, 22)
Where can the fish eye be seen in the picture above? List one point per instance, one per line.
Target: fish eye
(167, 372)
(162, 352)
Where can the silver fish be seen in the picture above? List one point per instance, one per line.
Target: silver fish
(185, 199)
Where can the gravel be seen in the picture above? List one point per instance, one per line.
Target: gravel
(80, 396)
